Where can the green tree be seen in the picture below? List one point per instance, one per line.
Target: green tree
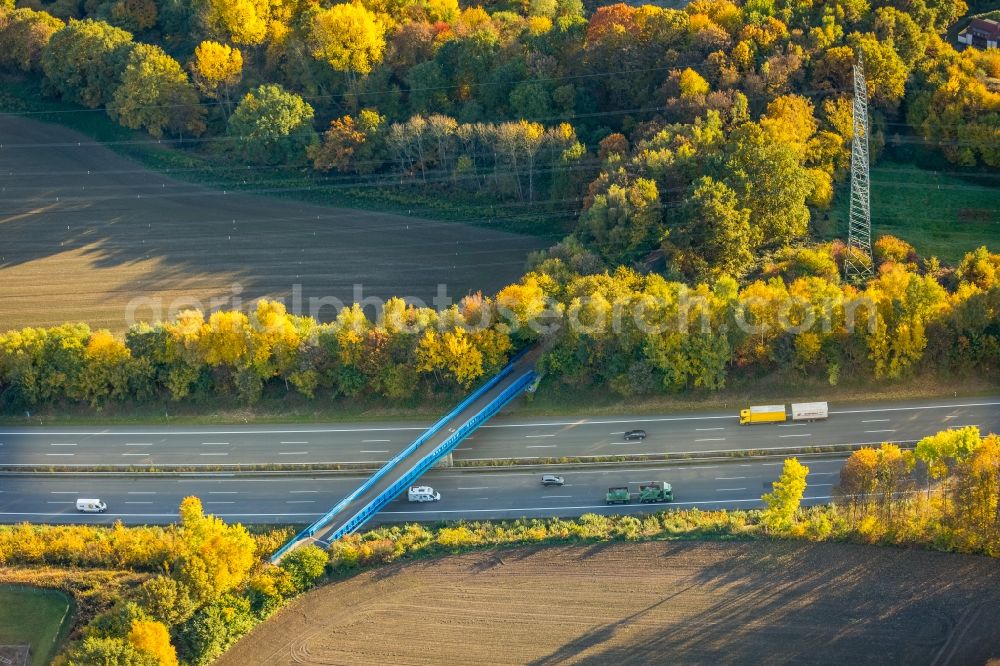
(770, 181)
(94, 651)
(210, 631)
(305, 565)
(156, 94)
(166, 600)
(717, 229)
(782, 503)
(84, 61)
(273, 125)
(623, 223)
(23, 35)
(885, 71)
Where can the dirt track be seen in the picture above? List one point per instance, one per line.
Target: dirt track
(655, 603)
(83, 231)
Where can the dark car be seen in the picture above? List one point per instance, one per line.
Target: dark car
(552, 480)
(635, 435)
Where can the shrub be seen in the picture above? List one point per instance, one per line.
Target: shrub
(305, 565)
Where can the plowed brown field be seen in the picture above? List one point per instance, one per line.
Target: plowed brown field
(652, 603)
(83, 231)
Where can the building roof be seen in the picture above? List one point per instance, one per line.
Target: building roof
(986, 27)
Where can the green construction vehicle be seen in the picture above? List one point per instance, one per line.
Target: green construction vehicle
(618, 496)
(660, 491)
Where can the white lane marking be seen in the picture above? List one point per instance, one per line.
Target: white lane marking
(535, 436)
(542, 446)
(141, 492)
(373, 451)
(144, 455)
(293, 453)
(455, 449)
(703, 429)
(302, 491)
(964, 426)
(728, 490)
(903, 409)
(556, 496)
(422, 428)
(60, 502)
(219, 502)
(60, 454)
(295, 442)
(300, 501)
(213, 454)
(475, 488)
(796, 435)
(366, 441)
(64, 492)
(823, 473)
(820, 485)
(884, 420)
(729, 478)
(872, 432)
(215, 443)
(62, 444)
(138, 443)
(772, 464)
(223, 492)
(790, 425)
(711, 439)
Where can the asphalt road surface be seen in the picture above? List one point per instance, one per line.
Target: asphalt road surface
(464, 494)
(503, 437)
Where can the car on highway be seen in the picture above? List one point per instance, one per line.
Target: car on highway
(422, 494)
(552, 480)
(91, 506)
(632, 435)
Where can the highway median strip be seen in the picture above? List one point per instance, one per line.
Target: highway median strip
(472, 464)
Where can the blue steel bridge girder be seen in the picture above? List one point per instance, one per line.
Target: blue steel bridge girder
(359, 506)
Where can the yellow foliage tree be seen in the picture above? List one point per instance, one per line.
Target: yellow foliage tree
(348, 37)
(152, 638)
(239, 21)
(213, 557)
(216, 69)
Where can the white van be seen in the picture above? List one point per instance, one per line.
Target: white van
(422, 494)
(91, 506)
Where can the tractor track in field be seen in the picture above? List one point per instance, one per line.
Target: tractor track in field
(661, 602)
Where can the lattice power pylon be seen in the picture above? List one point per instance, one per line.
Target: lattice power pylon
(858, 264)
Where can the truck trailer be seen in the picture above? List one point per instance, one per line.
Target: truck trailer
(618, 496)
(660, 491)
(762, 414)
(809, 411)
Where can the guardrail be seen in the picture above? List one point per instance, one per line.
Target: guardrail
(428, 461)
(402, 455)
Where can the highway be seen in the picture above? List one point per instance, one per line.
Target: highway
(506, 436)
(464, 494)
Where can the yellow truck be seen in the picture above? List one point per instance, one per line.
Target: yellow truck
(762, 414)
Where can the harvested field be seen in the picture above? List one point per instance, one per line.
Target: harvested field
(83, 231)
(650, 603)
